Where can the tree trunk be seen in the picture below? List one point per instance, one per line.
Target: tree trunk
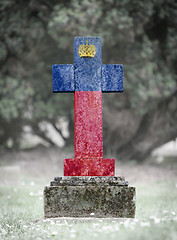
(155, 128)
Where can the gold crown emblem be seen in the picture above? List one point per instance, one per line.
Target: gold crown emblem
(87, 51)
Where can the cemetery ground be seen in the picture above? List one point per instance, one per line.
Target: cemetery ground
(23, 176)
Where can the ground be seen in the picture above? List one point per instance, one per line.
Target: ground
(23, 176)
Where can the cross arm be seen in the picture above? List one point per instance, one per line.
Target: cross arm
(63, 78)
(112, 78)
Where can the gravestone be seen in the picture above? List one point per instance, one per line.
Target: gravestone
(89, 187)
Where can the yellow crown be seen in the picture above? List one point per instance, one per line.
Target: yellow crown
(87, 51)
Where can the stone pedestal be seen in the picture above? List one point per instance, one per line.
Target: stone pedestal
(89, 197)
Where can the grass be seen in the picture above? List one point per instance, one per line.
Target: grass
(21, 216)
(21, 202)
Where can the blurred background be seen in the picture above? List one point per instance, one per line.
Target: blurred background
(141, 35)
(37, 126)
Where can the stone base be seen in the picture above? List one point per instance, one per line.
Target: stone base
(106, 197)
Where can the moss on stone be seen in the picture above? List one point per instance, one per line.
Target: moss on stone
(81, 200)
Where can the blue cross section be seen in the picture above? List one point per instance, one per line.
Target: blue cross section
(88, 74)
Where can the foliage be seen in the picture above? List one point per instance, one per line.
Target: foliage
(36, 34)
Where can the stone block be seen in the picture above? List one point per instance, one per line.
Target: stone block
(63, 78)
(87, 71)
(112, 78)
(89, 197)
(89, 167)
(88, 124)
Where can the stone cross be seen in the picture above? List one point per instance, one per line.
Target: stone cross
(88, 78)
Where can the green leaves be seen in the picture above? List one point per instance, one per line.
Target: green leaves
(14, 97)
(35, 35)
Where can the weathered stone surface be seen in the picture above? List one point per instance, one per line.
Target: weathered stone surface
(88, 78)
(112, 78)
(88, 125)
(89, 166)
(89, 197)
(85, 180)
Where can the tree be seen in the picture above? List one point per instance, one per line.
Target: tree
(141, 35)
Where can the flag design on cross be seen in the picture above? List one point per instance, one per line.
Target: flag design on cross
(88, 78)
